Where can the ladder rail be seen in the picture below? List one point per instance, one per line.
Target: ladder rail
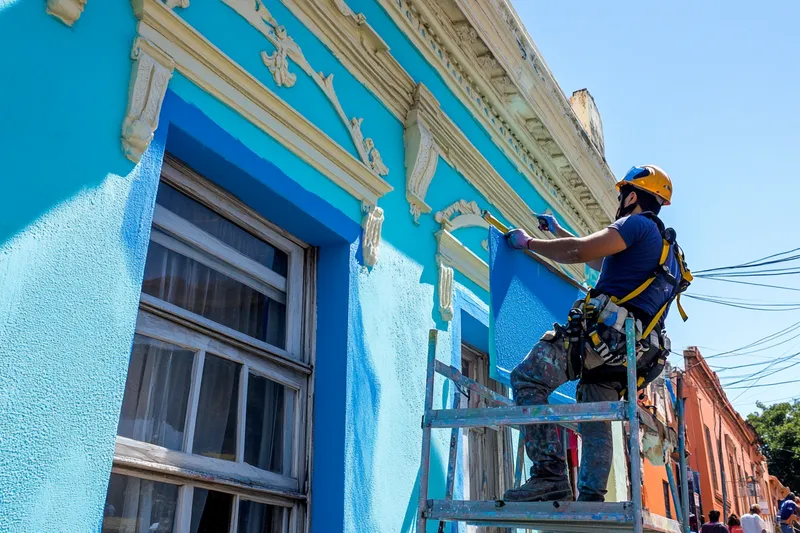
(425, 463)
(633, 431)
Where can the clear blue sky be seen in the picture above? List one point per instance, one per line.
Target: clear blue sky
(709, 91)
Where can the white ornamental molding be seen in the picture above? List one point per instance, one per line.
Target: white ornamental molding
(467, 215)
(372, 222)
(257, 14)
(445, 290)
(171, 4)
(150, 74)
(67, 11)
(422, 156)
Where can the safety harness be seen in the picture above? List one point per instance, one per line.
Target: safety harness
(594, 335)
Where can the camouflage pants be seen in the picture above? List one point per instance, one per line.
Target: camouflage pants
(542, 371)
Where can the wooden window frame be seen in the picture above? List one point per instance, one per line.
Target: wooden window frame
(290, 367)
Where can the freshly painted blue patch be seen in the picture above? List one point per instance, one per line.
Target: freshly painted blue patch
(525, 300)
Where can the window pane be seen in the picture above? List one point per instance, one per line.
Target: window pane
(215, 429)
(267, 441)
(260, 518)
(136, 505)
(184, 282)
(211, 511)
(156, 393)
(222, 228)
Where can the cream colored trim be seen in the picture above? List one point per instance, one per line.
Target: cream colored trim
(176, 3)
(67, 11)
(469, 215)
(445, 290)
(452, 252)
(214, 72)
(422, 157)
(500, 25)
(419, 21)
(360, 49)
(372, 222)
(150, 74)
(256, 13)
(462, 155)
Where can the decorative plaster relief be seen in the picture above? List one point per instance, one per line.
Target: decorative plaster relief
(257, 14)
(67, 11)
(445, 290)
(468, 215)
(372, 222)
(150, 74)
(422, 156)
(176, 3)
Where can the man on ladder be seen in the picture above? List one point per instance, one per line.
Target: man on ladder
(642, 270)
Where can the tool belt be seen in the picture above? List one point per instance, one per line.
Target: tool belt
(596, 345)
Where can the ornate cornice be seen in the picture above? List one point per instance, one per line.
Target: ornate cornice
(543, 108)
(495, 97)
(350, 40)
(214, 72)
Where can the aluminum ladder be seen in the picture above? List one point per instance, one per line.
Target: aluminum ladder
(546, 516)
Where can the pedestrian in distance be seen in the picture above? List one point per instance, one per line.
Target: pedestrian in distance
(734, 525)
(788, 516)
(714, 525)
(752, 521)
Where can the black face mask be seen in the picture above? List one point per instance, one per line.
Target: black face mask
(623, 211)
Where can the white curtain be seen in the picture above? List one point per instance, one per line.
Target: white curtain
(156, 393)
(215, 429)
(184, 282)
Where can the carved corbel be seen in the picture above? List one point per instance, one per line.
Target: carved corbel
(67, 11)
(371, 222)
(176, 3)
(150, 74)
(445, 289)
(422, 154)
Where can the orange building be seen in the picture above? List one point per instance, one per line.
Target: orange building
(723, 447)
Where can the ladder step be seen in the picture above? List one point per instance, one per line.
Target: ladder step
(567, 517)
(524, 415)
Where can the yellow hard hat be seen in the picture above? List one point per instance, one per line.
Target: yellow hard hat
(649, 178)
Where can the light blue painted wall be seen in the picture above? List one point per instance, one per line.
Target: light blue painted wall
(74, 235)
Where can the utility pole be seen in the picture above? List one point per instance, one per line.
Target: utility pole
(721, 464)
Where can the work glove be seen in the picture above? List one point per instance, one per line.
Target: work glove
(518, 239)
(547, 223)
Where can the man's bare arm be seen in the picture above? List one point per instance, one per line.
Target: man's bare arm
(562, 233)
(571, 250)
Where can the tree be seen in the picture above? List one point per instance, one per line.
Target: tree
(778, 426)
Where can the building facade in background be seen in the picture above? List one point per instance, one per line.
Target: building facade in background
(228, 227)
(724, 447)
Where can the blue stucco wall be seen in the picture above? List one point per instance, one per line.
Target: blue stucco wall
(73, 235)
(73, 239)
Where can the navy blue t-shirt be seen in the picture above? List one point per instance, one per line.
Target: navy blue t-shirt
(788, 508)
(623, 272)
